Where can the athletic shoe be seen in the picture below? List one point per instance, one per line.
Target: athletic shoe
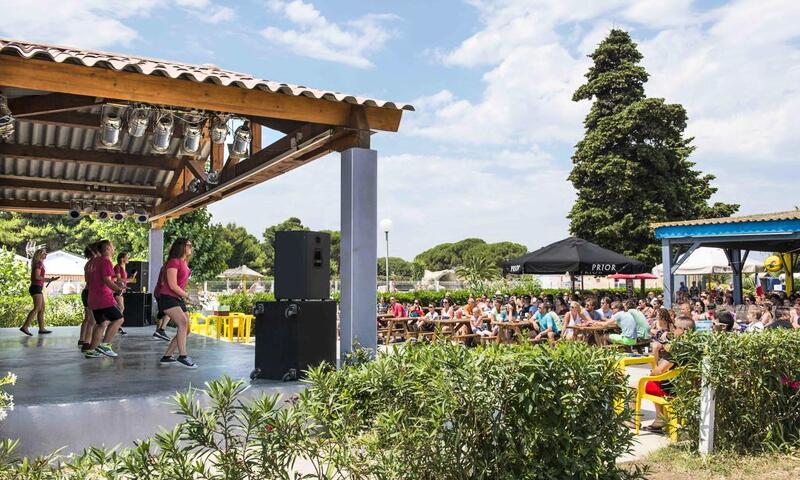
(122, 332)
(92, 353)
(162, 335)
(187, 362)
(167, 361)
(105, 349)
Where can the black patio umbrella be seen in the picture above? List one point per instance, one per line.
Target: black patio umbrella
(574, 256)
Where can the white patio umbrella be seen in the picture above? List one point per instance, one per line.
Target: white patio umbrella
(242, 271)
(707, 260)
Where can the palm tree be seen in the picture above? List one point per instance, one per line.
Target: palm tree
(476, 269)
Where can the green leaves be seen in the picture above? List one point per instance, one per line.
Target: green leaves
(632, 168)
(757, 408)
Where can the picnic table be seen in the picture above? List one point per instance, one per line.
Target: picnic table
(596, 331)
(396, 326)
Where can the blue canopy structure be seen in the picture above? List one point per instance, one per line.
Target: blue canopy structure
(770, 232)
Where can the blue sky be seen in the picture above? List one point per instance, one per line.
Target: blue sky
(488, 151)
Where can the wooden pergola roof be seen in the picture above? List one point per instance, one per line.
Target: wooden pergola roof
(56, 95)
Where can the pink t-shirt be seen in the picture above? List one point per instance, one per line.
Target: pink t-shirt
(40, 267)
(160, 282)
(397, 310)
(183, 276)
(119, 271)
(100, 296)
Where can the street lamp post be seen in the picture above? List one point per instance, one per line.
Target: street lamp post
(386, 225)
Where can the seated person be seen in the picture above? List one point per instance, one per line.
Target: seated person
(592, 311)
(783, 319)
(546, 325)
(575, 316)
(425, 324)
(478, 323)
(605, 308)
(661, 332)
(416, 310)
(625, 322)
(663, 389)
(642, 327)
(725, 319)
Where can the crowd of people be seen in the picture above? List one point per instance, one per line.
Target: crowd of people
(629, 321)
(104, 303)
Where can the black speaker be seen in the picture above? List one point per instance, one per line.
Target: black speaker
(302, 265)
(142, 274)
(138, 309)
(293, 336)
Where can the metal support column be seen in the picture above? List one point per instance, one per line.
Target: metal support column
(155, 257)
(669, 279)
(735, 259)
(359, 249)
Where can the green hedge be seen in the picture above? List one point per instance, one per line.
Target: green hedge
(244, 302)
(60, 310)
(423, 412)
(757, 407)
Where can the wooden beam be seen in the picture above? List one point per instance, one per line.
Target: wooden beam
(26, 206)
(255, 140)
(177, 185)
(136, 87)
(110, 158)
(55, 102)
(251, 171)
(42, 184)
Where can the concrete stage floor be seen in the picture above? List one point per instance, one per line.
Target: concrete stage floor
(65, 400)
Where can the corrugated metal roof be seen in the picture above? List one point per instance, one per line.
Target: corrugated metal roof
(763, 217)
(195, 73)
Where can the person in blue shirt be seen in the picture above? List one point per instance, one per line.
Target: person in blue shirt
(546, 324)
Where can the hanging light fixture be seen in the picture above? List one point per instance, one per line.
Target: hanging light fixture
(118, 214)
(129, 209)
(88, 207)
(74, 210)
(191, 138)
(6, 120)
(162, 133)
(241, 140)
(102, 212)
(219, 130)
(110, 128)
(141, 215)
(138, 119)
(196, 185)
(212, 178)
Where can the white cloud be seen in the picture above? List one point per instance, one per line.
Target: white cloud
(315, 36)
(83, 23)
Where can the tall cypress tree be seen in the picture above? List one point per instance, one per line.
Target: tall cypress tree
(632, 167)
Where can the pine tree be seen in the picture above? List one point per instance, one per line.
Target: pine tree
(632, 167)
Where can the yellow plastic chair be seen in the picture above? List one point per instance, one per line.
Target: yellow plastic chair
(619, 404)
(241, 323)
(665, 402)
(198, 323)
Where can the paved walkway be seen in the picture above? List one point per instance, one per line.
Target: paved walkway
(646, 442)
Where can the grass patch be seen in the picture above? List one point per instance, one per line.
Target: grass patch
(682, 463)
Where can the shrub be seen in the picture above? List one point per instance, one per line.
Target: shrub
(14, 275)
(501, 412)
(61, 310)
(425, 412)
(757, 381)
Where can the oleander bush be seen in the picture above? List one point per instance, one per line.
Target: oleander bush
(756, 377)
(60, 310)
(423, 412)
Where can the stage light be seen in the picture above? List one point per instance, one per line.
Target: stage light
(102, 212)
(74, 210)
(118, 214)
(191, 138)
(219, 131)
(195, 185)
(6, 120)
(162, 134)
(241, 140)
(213, 177)
(138, 118)
(141, 215)
(110, 127)
(88, 207)
(129, 209)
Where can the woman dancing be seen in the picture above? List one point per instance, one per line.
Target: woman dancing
(37, 284)
(172, 300)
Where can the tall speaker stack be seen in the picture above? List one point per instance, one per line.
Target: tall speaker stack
(298, 330)
(140, 269)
